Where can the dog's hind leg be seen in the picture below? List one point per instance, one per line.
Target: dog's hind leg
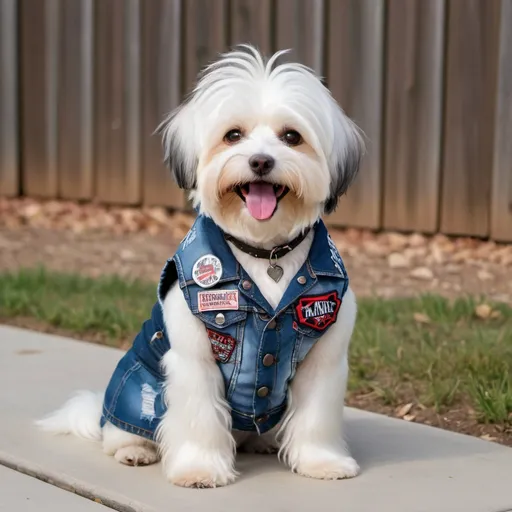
(127, 448)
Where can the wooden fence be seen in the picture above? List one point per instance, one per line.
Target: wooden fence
(83, 84)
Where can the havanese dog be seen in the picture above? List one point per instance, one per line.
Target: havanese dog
(246, 346)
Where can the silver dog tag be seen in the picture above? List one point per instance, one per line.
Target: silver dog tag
(275, 272)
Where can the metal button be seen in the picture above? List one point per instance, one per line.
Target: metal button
(272, 324)
(159, 334)
(262, 392)
(301, 280)
(264, 317)
(262, 419)
(268, 360)
(246, 285)
(220, 319)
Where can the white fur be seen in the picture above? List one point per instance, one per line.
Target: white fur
(195, 439)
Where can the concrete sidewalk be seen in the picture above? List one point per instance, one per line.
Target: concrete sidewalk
(405, 467)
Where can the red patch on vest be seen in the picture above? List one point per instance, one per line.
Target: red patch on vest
(318, 311)
(222, 345)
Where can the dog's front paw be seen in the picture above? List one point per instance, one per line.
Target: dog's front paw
(201, 478)
(329, 469)
(200, 468)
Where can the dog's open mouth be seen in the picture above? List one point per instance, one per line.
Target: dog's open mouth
(261, 197)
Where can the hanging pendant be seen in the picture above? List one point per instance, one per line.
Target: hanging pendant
(275, 272)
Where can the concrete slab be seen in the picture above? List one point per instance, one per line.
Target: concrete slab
(21, 493)
(406, 467)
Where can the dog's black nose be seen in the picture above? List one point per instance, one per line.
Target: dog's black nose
(261, 164)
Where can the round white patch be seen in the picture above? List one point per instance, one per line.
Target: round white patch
(207, 271)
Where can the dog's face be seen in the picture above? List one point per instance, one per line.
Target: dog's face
(264, 148)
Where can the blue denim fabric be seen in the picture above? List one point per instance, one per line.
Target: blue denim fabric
(134, 399)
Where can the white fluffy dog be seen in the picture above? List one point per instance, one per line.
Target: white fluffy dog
(256, 303)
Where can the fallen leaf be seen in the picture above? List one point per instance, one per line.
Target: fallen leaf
(483, 311)
(487, 437)
(422, 318)
(422, 273)
(409, 417)
(404, 410)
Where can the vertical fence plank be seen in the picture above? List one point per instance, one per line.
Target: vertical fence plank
(161, 93)
(117, 100)
(300, 27)
(501, 212)
(39, 96)
(205, 35)
(9, 177)
(251, 23)
(75, 144)
(414, 77)
(354, 75)
(473, 34)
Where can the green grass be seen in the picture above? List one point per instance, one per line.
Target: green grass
(455, 358)
(109, 306)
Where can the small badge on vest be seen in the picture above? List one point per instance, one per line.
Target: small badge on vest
(222, 345)
(207, 271)
(217, 300)
(318, 311)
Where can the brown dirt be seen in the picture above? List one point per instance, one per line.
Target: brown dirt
(461, 418)
(94, 240)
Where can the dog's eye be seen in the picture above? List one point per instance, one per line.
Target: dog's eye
(233, 136)
(291, 137)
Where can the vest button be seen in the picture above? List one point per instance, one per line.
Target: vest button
(246, 285)
(268, 360)
(272, 324)
(262, 419)
(159, 334)
(264, 317)
(220, 319)
(262, 392)
(301, 280)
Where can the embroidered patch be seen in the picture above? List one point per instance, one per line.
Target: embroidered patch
(319, 311)
(207, 271)
(217, 300)
(222, 345)
(335, 255)
(189, 238)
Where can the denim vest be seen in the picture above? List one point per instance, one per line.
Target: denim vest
(257, 348)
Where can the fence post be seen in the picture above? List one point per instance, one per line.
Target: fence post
(117, 101)
(355, 56)
(9, 164)
(501, 215)
(414, 103)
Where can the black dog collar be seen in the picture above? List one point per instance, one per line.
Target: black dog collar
(273, 254)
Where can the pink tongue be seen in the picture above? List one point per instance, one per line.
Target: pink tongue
(261, 200)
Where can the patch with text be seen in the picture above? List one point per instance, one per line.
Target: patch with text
(222, 345)
(217, 300)
(318, 311)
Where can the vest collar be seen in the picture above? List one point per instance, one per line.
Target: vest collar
(323, 258)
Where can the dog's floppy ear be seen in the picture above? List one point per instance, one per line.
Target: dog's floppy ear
(348, 150)
(179, 143)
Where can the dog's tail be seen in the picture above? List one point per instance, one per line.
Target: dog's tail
(79, 416)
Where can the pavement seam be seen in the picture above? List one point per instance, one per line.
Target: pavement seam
(70, 484)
